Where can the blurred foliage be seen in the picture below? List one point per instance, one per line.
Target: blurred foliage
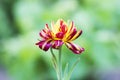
(21, 21)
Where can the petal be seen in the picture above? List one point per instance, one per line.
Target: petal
(60, 35)
(55, 27)
(69, 30)
(47, 27)
(70, 27)
(57, 44)
(72, 34)
(43, 34)
(44, 44)
(76, 35)
(74, 48)
(63, 26)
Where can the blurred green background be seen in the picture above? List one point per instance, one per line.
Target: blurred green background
(21, 21)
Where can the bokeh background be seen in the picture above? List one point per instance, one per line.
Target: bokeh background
(21, 21)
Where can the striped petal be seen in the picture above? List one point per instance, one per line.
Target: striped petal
(74, 48)
(69, 31)
(55, 27)
(70, 27)
(60, 35)
(72, 34)
(63, 27)
(47, 27)
(76, 35)
(45, 35)
(44, 45)
(57, 44)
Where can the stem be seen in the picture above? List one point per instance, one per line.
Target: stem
(53, 55)
(57, 66)
(54, 61)
(60, 64)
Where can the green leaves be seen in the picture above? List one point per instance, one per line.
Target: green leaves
(58, 66)
(67, 74)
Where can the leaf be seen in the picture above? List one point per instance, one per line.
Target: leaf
(72, 68)
(65, 72)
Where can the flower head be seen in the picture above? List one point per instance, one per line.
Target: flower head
(60, 33)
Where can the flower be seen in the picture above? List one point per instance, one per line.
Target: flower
(60, 33)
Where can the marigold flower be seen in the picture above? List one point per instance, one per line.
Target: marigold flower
(59, 34)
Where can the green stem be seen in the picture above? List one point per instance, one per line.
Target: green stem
(57, 66)
(60, 64)
(54, 61)
(53, 54)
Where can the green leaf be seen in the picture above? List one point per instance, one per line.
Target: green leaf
(72, 68)
(65, 72)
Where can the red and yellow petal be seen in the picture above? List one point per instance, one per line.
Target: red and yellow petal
(70, 28)
(44, 45)
(69, 31)
(74, 48)
(60, 35)
(44, 35)
(76, 35)
(56, 44)
(72, 34)
(47, 27)
(63, 27)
